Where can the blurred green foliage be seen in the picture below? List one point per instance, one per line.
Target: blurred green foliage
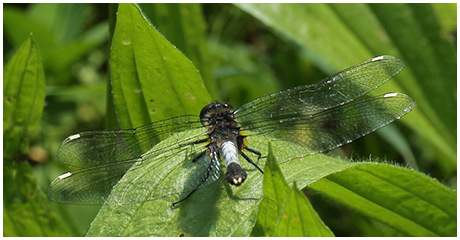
(242, 51)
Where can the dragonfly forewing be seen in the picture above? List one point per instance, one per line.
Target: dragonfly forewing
(95, 148)
(335, 90)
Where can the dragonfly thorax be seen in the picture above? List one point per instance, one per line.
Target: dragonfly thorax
(218, 118)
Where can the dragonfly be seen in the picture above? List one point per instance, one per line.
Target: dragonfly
(172, 158)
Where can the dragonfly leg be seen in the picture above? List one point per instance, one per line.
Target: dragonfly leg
(250, 160)
(197, 157)
(205, 178)
(242, 144)
(185, 198)
(254, 151)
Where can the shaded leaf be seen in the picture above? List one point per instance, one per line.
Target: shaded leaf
(66, 20)
(242, 71)
(319, 22)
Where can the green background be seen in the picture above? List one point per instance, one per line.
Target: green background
(241, 51)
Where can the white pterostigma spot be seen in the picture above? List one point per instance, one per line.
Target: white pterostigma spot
(390, 95)
(73, 137)
(65, 175)
(377, 58)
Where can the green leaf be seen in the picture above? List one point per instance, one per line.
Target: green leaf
(223, 210)
(437, 61)
(23, 97)
(183, 24)
(275, 190)
(336, 36)
(447, 13)
(151, 79)
(316, 22)
(26, 210)
(427, 199)
(20, 25)
(66, 20)
(286, 211)
(217, 209)
(404, 199)
(299, 219)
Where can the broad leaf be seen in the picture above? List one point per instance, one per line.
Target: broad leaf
(223, 210)
(151, 79)
(404, 199)
(285, 211)
(299, 219)
(183, 24)
(275, 190)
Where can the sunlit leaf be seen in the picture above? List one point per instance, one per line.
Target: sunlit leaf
(402, 198)
(151, 79)
(285, 211)
(183, 24)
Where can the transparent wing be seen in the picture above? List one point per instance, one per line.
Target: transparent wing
(328, 129)
(89, 186)
(99, 147)
(116, 156)
(330, 92)
(178, 176)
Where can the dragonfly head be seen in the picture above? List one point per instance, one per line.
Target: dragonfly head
(212, 109)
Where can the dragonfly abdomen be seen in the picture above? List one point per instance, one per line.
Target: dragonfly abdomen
(235, 174)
